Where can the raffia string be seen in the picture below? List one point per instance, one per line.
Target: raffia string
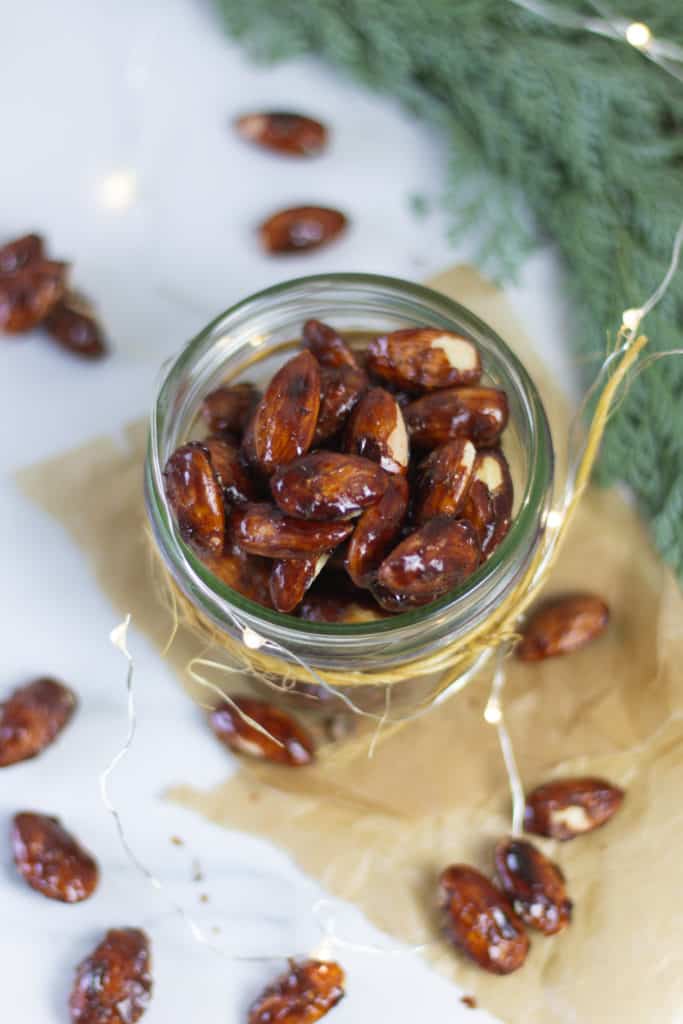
(262, 657)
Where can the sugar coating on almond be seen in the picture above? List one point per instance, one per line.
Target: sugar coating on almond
(459, 352)
(490, 473)
(573, 817)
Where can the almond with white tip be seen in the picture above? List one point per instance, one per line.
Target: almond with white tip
(488, 504)
(377, 431)
(291, 578)
(443, 479)
(424, 358)
(566, 808)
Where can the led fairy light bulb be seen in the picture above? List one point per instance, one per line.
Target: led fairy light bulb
(631, 318)
(493, 713)
(638, 35)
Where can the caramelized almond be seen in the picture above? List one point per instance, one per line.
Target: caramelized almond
(304, 994)
(285, 420)
(196, 497)
(237, 485)
(427, 564)
(284, 132)
(228, 409)
(18, 254)
(328, 485)
(443, 479)
(245, 573)
(32, 718)
(262, 529)
(377, 431)
(481, 922)
(51, 860)
(328, 347)
(291, 578)
(301, 228)
(562, 625)
(340, 391)
(286, 741)
(377, 530)
(73, 324)
(534, 884)
(488, 505)
(565, 808)
(29, 294)
(424, 358)
(480, 414)
(113, 984)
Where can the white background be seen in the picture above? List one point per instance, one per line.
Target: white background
(116, 144)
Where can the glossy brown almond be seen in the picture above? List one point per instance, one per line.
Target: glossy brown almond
(32, 718)
(72, 323)
(488, 504)
(480, 414)
(245, 573)
(328, 347)
(328, 485)
(377, 531)
(283, 742)
(301, 229)
(262, 529)
(285, 419)
(228, 409)
(565, 808)
(340, 391)
(284, 132)
(18, 254)
(291, 578)
(427, 564)
(481, 922)
(307, 991)
(196, 497)
(562, 625)
(113, 984)
(51, 860)
(534, 884)
(377, 431)
(443, 479)
(424, 358)
(28, 295)
(238, 486)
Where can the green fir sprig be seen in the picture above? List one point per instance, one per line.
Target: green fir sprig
(582, 131)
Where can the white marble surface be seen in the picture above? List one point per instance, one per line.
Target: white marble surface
(117, 146)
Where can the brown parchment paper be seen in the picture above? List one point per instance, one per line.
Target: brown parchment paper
(378, 831)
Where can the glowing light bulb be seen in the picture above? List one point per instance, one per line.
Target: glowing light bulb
(630, 318)
(118, 190)
(638, 35)
(493, 713)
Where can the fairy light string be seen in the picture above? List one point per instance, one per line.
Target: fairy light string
(326, 922)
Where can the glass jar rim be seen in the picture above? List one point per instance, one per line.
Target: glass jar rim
(538, 481)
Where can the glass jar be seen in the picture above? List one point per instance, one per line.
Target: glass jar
(249, 342)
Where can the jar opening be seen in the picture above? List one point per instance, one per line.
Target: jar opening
(264, 319)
